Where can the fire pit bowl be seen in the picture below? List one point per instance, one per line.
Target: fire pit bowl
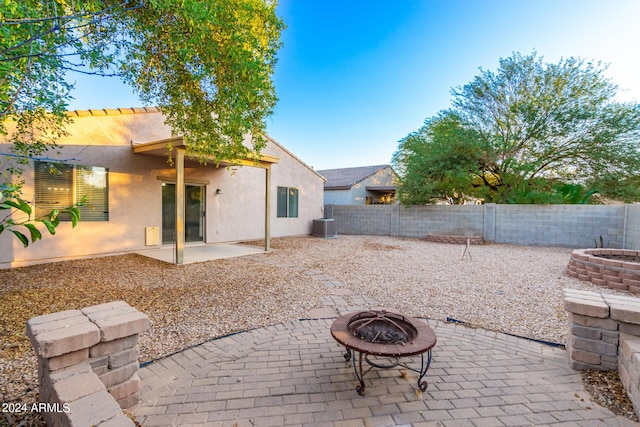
(380, 327)
(387, 335)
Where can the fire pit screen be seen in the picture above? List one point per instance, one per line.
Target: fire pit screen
(386, 335)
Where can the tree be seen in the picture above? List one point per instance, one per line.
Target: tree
(437, 161)
(534, 129)
(28, 222)
(206, 64)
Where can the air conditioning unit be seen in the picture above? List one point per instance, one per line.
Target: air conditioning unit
(324, 227)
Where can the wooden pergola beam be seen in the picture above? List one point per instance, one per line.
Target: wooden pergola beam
(180, 210)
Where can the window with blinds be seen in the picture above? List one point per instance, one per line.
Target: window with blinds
(54, 187)
(287, 202)
(58, 186)
(91, 183)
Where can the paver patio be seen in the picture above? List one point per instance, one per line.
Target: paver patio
(295, 374)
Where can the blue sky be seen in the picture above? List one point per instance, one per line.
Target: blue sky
(356, 76)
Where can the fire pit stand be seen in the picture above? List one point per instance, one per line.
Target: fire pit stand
(385, 335)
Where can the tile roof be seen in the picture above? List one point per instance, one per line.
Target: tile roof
(141, 110)
(112, 111)
(348, 177)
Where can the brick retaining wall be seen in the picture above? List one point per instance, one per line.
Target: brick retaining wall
(459, 240)
(613, 268)
(604, 335)
(88, 363)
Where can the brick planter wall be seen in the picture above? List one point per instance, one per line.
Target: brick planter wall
(612, 268)
(459, 240)
(88, 363)
(604, 334)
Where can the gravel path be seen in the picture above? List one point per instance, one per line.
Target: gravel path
(510, 289)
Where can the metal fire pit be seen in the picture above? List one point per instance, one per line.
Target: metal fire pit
(384, 335)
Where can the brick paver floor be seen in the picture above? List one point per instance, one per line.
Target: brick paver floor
(295, 374)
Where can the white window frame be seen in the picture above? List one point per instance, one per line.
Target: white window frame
(292, 196)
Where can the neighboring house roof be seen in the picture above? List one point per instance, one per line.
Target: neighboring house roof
(345, 178)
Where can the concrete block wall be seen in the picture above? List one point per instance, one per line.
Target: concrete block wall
(412, 222)
(573, 226)
(372, 220)
(489, 222)
(461, 220)
(560, 225)
(632, 240)
(604, 334)
(88, 363)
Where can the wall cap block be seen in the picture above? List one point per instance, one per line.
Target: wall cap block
(104, 307)
(66, 339)
(588, 304)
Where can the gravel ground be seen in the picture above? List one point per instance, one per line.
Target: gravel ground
(512, 289)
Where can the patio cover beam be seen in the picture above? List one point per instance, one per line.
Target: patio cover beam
(180, 209)
(164, 148)
(267, 210)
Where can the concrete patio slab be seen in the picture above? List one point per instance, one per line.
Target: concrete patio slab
(201, 253)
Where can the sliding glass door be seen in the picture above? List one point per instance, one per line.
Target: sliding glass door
(194, 213)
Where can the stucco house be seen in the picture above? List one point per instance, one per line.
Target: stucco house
(370, 185)
(118, 158)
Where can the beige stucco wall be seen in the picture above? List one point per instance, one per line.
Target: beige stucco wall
(238, 212)
(135, 189)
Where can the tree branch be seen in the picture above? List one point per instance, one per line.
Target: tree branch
(92, 18)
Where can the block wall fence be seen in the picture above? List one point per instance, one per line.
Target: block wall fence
(572, 226)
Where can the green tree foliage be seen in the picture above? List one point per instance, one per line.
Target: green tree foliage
(437, 161)
(533, 133)
(27, 223)
(207, 65)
